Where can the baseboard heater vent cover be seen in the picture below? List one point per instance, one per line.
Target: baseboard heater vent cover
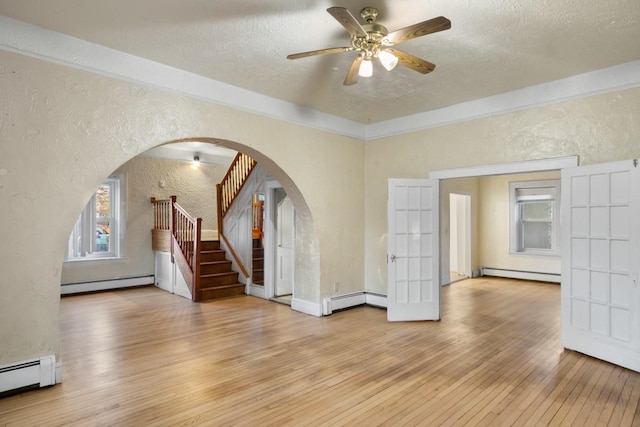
(29, 373)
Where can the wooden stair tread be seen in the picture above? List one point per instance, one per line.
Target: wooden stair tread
(226, 273)
(232, 285)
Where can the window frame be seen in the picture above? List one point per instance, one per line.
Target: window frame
(537, 190)
(86, 225)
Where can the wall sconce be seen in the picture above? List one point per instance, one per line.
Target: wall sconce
(196, 162)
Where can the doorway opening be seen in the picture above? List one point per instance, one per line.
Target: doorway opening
(418, 243)
(488, 194)
(459, 237)
(279, 243)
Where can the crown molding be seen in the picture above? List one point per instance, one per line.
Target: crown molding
(610, 79)
(37, 42)
(30, 40)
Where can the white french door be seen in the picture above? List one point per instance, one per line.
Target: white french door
(600, 244)
(413, 245)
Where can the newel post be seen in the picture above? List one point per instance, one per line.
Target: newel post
(197, 244)
(172, 223)
(219, 207)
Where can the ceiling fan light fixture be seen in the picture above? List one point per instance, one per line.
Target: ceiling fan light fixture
(388, 60)
(372, 40)
(366, 68)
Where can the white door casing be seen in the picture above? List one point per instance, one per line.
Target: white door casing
(600, 245)
(413, 250)
(270, 222)
(285, 240)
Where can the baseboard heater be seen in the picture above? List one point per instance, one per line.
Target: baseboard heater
(341, 302)
(518, 274)
(29, 373)
(103, 285)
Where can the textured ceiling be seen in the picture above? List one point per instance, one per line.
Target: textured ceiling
(494, 46)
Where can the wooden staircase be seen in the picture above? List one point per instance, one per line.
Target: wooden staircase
(217, 278)
(203, 264)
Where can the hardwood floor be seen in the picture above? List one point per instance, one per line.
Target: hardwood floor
(143, 357)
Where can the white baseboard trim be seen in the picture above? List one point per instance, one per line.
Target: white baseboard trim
(376, 300)
(340, 302)
(525, 275)
(306, 307)
(102, 285)
(257, 291)
(33, 372)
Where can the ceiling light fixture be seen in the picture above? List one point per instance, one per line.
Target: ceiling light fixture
(196, 162)
(388, 60)
(366, 68)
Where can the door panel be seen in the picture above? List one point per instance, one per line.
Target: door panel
(600, 253)
(414, 291)
(285, 239)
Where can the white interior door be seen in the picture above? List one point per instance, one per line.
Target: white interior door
(600, 256)
(413, 261)
(285, 239)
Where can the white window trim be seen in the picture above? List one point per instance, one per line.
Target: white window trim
(513, 239)
(118, 227)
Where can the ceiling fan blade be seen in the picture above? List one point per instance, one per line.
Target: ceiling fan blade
(346, 19)
(319, 52)
(418, 30)
(413, 62)
(352, 74)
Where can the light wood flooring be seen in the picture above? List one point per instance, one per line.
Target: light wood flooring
(143, 357)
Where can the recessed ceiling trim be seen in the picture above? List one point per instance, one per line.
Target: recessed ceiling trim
(30, 40)
(610, 79)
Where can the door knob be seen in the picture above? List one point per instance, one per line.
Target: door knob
(393, 258)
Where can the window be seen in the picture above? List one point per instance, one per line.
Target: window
(99, 228)
(534, 219)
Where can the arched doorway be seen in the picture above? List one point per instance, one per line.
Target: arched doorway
(151, 181)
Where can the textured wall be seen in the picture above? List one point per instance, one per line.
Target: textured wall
(195, 189)
(599, 129)
(64, 130)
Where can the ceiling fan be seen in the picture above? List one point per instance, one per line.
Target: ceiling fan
(372, 40)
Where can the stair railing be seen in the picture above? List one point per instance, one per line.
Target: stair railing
(161, 232)
(257, 210)
(162, 213)
(226, 193)
(183, 241)
(186, 237)
(232, 183)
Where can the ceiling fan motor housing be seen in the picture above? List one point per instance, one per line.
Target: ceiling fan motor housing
(371, 44)
(369, 14)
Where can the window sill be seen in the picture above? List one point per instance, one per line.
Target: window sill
(536, 254)
(96, 260)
